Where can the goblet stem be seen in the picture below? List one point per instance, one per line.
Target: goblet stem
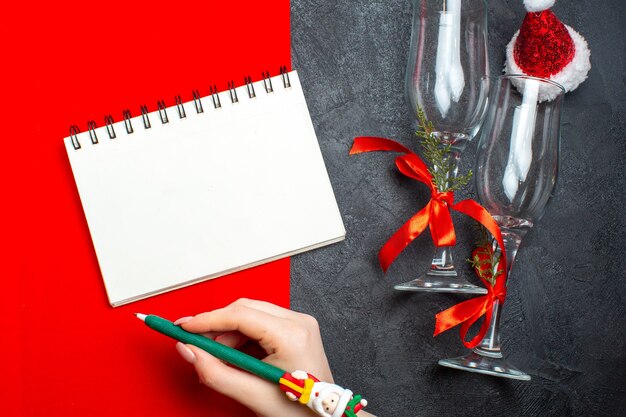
(442, 263)
(512, 239)
(442, 275)
(487, 357)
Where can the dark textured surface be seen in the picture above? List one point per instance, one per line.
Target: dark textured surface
(564, 318)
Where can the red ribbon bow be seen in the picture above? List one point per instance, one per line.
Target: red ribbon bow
(436, 215)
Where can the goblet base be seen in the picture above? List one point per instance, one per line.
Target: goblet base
(448, 282)
(494, 366)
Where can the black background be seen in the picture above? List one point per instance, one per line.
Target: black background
(563, 321)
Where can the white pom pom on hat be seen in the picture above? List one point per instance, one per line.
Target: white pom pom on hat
(538, 5)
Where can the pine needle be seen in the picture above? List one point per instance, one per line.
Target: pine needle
(440, 157)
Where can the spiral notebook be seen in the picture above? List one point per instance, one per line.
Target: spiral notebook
(203, 188)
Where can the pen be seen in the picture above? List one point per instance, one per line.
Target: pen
(220, 351)
(298, 385)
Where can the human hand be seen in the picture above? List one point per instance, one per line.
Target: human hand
(290, 339)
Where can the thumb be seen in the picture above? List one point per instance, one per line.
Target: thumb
(234, 383)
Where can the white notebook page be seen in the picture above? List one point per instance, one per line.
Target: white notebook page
(205, 195)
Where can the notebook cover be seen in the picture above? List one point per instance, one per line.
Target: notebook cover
(64, 350)
(207, 194)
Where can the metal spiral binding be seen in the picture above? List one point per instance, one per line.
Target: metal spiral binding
(91, 125)
(144, 117)
(232, 92)
(285, 76)
(127, 124)
(267, 82)
(180, 107)
(162, 109)
(108, 120)
(248, 81)
(74, 131)
(162, 112)
(215, 97)
(197, 102)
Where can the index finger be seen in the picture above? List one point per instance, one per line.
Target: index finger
(255, 324)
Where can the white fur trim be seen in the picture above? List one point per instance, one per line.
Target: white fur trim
(538, 5)
(569, 77)
(346, 396)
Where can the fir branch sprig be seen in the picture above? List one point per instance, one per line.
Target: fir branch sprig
(485, 261)
(440, 156)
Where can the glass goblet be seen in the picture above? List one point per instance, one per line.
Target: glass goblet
(516, 170)
(448, 79)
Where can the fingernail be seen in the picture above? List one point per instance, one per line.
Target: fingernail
(183, 320)
(185, 352)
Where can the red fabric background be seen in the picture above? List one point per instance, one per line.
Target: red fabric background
(63, 350)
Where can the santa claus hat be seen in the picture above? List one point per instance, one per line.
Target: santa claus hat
(544, 47)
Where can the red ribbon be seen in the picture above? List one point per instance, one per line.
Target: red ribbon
(436, 215)
(468, 312)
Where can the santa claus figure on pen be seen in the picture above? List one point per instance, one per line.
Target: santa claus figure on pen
(326, 399)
